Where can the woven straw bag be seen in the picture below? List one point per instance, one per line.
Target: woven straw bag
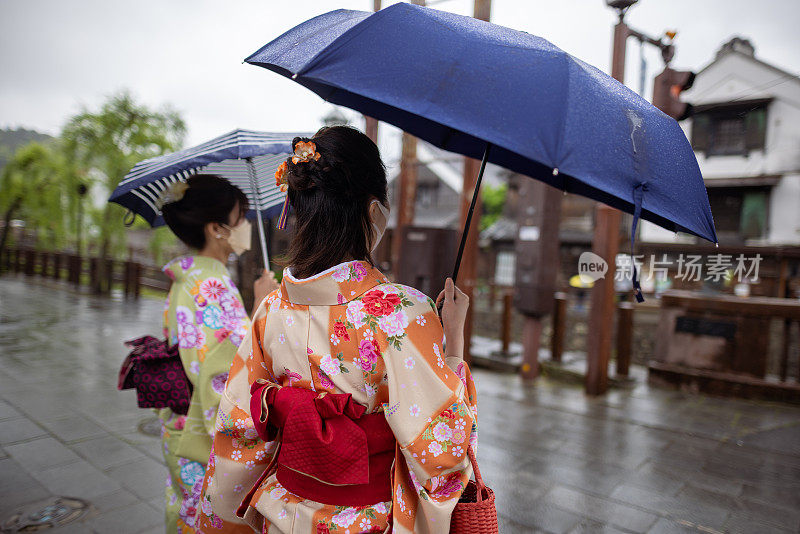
(475, 512)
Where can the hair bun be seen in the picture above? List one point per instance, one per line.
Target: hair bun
(302, 176)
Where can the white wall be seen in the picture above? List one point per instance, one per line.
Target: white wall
(736, 76)
(784, 211)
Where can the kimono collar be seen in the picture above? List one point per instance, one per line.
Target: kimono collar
(178, 268)
(338, 285)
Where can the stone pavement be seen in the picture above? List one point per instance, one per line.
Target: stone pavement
(640, 460)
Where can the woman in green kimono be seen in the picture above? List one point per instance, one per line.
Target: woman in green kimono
(205, 317)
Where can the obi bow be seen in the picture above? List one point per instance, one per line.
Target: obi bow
(322, 436)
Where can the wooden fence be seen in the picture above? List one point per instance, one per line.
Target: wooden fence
(100, 274)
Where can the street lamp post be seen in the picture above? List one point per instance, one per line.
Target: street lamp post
(605, 243)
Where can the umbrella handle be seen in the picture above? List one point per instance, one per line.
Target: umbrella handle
(251, 171)
(471, 210)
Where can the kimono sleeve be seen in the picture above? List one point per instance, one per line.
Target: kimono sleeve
(238, 455)
(210, 333)
(431, 411)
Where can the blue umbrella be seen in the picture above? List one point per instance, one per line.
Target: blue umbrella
(246, 158)
(504, 96)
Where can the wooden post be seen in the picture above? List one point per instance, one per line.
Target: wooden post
(44, 264)
(531, 338)
(624, 337)
(601, 314)
(137, 279)
(508, 300)
(109, 275)
(783, 283)
(406, 197)
(605, 244)
(787, 338)
(128, 276)
(559, 327)
(75, 269)
(789, 328)
(468, 272)
(30, 262)
(56, 274)
(94, 275)
(467, 276)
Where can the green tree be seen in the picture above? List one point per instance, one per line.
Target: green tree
(494, 198)
(109, 142)
(35, 188)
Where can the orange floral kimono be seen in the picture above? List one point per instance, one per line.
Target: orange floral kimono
(347, 330)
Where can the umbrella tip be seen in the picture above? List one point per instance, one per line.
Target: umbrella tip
(294, 76)
(716, 244)
(555, 171)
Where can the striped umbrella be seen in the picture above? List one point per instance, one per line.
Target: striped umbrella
(246, 158)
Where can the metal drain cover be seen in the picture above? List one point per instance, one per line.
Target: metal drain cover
(151, 427)
(49, 514)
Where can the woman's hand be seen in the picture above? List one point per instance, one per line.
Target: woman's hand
(454, 305)
(263, 286)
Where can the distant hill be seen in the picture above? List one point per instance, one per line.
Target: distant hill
(11, 140)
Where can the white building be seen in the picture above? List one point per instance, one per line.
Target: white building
(745, 130)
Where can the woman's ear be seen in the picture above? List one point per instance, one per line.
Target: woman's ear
(376, 215)
(214, 231)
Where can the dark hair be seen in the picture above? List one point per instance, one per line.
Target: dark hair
(209, 199)
(330, 197)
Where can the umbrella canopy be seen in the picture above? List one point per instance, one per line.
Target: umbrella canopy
(247, 159)
(464, 85)
(233, 156)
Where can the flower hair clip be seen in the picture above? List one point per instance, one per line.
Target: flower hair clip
(280, 177)
(173, 193)
(305, 151)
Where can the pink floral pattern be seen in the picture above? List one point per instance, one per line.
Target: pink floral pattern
(390, 336)
(204, 316)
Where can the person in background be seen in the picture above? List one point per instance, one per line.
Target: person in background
(205, 317)
(344, 410)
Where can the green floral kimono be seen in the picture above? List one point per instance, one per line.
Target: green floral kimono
(205, 317)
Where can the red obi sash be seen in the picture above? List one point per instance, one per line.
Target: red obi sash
(330, 450)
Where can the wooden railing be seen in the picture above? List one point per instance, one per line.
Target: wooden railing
(624, 339)
(720, 344)
(100, 274)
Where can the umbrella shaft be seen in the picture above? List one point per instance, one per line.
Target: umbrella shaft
(259, 222)
(471, 210)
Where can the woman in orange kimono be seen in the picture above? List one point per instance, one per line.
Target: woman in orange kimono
(345, 410)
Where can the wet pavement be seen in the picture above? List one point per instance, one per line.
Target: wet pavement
(638, 460)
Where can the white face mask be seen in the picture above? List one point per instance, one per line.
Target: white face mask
(379, 231)
(239, 237)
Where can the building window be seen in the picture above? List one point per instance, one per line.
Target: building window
(740, 213)
(729, 128)
(728, 136)
(505, 267)
(427, 195)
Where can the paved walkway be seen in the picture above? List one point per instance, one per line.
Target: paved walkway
(643, 460)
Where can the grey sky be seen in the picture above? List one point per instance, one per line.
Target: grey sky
(56, 56)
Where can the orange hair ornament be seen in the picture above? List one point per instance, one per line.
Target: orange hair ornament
(304, 151)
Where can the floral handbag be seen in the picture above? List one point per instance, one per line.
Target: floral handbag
(156, 371)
